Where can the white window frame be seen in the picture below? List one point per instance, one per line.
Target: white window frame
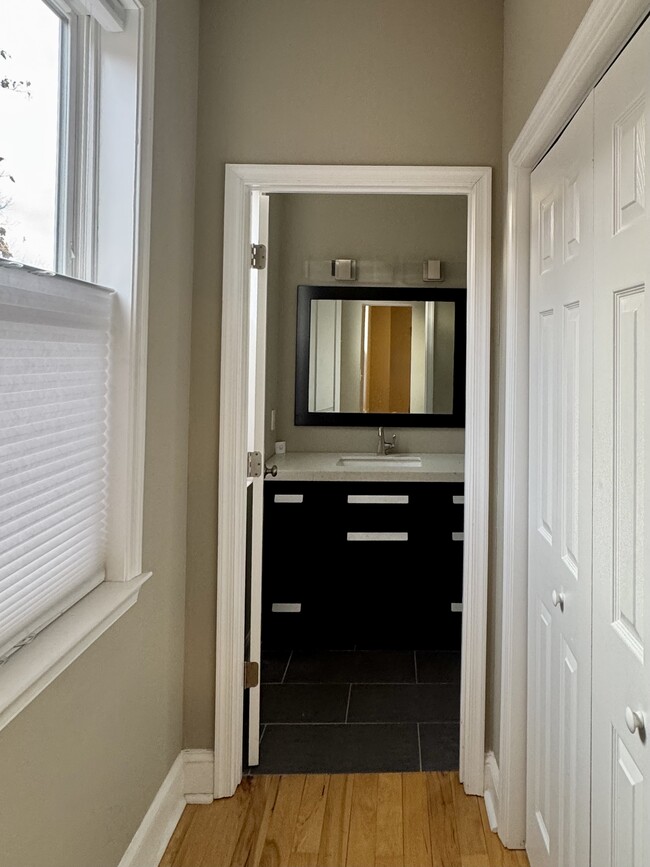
(117, 158)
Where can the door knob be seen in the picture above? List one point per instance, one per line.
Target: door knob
(273, 471)
(558, 599)
(634, 720)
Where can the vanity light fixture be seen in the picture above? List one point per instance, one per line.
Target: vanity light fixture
(344, 269)
(431, 270)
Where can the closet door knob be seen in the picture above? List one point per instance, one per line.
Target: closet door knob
(634, 720)
(558, 599)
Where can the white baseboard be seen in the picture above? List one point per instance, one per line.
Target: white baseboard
(150, 840)
(190, 781)
(491, 793)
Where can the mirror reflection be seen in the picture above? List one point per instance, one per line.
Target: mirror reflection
(375, 356)
(370, 355)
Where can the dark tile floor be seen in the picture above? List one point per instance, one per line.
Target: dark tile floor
(359, 711)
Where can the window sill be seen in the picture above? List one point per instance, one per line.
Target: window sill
(28, 672)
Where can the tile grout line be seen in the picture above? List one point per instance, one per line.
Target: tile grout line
(287, 668)
(415, 663)
(428, 722)
(364, 683)
(419, 746)
(347, 709)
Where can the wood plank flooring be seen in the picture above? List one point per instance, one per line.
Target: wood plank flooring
(341, 820)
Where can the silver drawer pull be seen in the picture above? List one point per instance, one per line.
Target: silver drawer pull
(286, 607)
(458, 499)
(287, 498)
(458, 537)
(378, 537)
(397, 499)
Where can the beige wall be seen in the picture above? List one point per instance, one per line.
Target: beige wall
(307, 81)
(82, 763)
(383, 233)
(535, 38)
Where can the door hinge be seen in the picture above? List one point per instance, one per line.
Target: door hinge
(258, 257)
(254, 465)
(251, 675)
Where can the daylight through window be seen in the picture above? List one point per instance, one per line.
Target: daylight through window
(32, 47)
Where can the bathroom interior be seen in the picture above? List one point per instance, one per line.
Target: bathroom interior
(363, 494)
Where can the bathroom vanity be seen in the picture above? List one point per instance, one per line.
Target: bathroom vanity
(363, 551)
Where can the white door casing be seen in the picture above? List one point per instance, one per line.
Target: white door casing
(621, 764)
(560, 499)
(242, 181)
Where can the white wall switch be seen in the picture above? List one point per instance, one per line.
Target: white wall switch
(281, 448)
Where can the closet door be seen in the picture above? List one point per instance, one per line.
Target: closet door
(621, 683)
(559, 699)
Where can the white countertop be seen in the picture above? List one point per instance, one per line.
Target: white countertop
(324, 467)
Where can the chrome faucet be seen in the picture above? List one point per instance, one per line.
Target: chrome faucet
(384, 447)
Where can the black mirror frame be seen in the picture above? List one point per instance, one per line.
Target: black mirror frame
(307, 294)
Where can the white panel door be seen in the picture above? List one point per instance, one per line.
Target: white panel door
(560, 500)
(259, 234)
(621, 757)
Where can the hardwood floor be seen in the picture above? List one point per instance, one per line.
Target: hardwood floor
(360, 820)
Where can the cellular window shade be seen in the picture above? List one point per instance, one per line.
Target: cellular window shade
(54, 388)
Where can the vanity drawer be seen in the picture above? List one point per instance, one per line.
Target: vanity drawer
(420, 509)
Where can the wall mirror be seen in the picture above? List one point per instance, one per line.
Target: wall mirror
(380, 356)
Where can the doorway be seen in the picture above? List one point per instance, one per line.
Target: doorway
(244, 184)
(362, 566)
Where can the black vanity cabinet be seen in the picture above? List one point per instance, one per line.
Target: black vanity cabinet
(372, 565)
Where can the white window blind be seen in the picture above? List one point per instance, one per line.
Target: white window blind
(54, 402)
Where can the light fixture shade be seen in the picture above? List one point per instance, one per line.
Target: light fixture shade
(344, 269)
(431, 270)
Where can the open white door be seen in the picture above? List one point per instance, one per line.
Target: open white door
(255, 482)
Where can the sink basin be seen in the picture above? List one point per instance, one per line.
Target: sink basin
(363, 461)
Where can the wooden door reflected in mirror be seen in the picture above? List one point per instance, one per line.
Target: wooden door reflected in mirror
(386, 373)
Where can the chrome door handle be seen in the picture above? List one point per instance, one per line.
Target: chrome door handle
(558, 599)
(272, 471)
(634, 720)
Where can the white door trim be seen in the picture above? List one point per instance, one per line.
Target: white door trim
(605, 29)
(241, 182)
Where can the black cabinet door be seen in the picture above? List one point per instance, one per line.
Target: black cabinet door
(299, 593)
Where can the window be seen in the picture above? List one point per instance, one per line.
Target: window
(32, 41)
(77, 88)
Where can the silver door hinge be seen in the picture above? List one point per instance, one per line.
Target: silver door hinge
(251, 675)
(258, 257)
(253, 465)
